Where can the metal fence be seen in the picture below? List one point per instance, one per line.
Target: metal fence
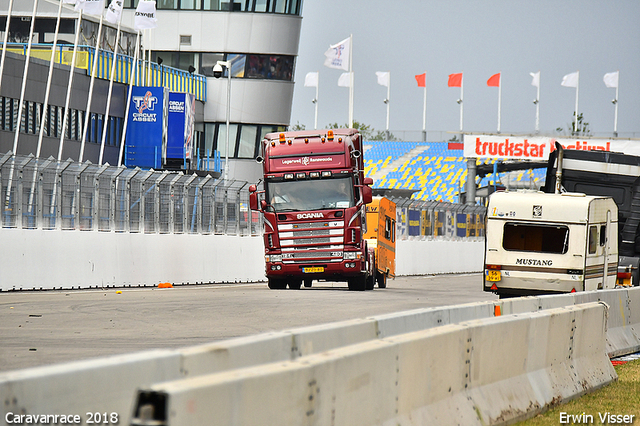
(423, 220)
(49, 194)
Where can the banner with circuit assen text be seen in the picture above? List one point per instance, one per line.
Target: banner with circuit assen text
(538, 148)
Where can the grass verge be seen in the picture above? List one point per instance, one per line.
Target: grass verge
(619, 398)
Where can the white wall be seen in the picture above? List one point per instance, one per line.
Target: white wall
(34, 259)
(84, 259)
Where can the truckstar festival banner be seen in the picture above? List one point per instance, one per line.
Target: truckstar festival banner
(538, 147)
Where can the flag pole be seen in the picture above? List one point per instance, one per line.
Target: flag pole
(424, 110)
(48, 88)
(315, 121)
(20, 109)
(111, 77)
(575, 126)
(499, 99)
(4, 44)
(71, 73)
(351, 80)
(135, 71)
(461, 101)
(388, 101)
(91, 84)
(24, 82)
(615, 114)
(538, 106)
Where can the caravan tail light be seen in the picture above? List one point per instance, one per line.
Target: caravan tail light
(496, 267)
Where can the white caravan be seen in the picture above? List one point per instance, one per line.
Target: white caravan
(538, 243)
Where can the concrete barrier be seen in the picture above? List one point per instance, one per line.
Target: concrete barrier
(623, 328)
(454, 374)
(27, 388)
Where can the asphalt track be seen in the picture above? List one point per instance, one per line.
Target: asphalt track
(46, 327)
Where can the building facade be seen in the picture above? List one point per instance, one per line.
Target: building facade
(259, 37)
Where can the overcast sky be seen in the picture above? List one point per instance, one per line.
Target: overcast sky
(479, 38)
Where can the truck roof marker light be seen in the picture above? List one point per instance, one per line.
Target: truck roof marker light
(289, 141)
(339, 140)
(326, 174)
(314, 174)
(306, 140)
(301, 176)
(281, 138)
(322, 139)
(273, 143)
(288, 176)
(330, 135)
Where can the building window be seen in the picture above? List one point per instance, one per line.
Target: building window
(291, 7)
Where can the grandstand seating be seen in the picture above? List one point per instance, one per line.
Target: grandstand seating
(433, 170)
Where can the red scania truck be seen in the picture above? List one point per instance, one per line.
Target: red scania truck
(313, 204)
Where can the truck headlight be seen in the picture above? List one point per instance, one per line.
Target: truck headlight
(275, 258)
(351, 255)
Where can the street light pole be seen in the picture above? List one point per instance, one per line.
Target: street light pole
(217, 73)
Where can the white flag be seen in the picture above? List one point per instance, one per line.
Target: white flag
(114, 11)
(570, 80)
(611, 79)
(92, 7)
(383, 78)
(345, 80)
(338, 55)
(536, 78)
(145, 16)
(311, 79)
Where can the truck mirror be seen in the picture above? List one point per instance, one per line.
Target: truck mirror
(253, 199)
(263, 204)
(368, 181)
(252, 189)
(367, 194)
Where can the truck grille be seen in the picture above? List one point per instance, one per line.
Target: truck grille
(309, 242)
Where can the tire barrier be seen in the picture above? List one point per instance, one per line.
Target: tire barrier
(113, 380)
(454, 374)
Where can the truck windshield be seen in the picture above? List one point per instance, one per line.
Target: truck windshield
(304, 195)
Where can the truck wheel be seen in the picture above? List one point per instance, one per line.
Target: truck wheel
(295, 284)
(277, 284)
(382, 280)
(358, 283)
(371, 281)
(307, 283)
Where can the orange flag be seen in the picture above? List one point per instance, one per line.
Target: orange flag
(455, 80)
(421, 79)
(494, 80)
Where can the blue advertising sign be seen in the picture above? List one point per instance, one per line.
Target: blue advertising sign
(414, 222)
(146, 127)
(180, 126)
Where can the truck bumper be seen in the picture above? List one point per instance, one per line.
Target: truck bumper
(332, 271)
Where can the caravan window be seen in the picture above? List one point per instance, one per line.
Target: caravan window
(535, 237)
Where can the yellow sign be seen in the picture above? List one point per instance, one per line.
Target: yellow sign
(312, 269)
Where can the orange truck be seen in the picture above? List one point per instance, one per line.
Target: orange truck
(381, 237)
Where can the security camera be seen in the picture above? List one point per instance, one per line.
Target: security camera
(217, 71)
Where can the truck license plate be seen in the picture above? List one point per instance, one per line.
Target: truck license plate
(312, 269)
(493, 275)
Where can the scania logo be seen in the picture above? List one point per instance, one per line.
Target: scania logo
(310, 216)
